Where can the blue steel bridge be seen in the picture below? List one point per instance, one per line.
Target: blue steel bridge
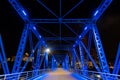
(60, 36)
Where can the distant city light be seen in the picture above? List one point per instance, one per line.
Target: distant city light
(24, 12)
(96, 13)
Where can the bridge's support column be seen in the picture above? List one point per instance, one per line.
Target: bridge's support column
(37, 61)
(3, 59)
(73, 60)
(46, 60)
(100, 51)
(53, 63)
(101, 55)
(67, 62)
(117, 62)
(82, 61)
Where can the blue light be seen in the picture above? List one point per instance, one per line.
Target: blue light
(85, 28)
(96, 13)
(39, 36)
(34, 28)
(24, 12)
(80, 36)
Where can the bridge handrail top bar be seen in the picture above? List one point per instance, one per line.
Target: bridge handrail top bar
(100, 72)
(23, 72)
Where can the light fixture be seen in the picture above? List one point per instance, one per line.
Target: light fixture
(24, 12)
(85, 28)
(47, 50)
(96, 13)
(34, 28)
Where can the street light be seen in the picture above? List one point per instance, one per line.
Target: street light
(47, 50)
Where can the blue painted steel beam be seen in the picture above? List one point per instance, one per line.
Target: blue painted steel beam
(67, 62)
(73, 50)
(3, 59)
(89, 46)
(82, 58)
(54, 34)
(60, 4)
(101, 9)
(20, 10)
(117, 62)
(37, 61)
(71, 21)
(53, 66)
(46, 59)
(100, 51)
(73, 60)
(73, 8)
(58, 38)
(39, 1)
(23, 14)
(82, 35)
(64, 48)
(70, 29)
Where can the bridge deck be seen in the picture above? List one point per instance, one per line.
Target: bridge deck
(60, 74)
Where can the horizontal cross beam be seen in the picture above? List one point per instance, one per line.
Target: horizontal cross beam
(60, 20)
(59, 38)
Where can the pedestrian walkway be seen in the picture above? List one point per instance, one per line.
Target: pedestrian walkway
(60, 74)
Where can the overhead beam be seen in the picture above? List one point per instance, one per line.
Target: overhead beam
(60, 47)
(60, 20)
(58, 38)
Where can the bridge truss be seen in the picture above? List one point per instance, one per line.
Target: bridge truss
(80, 50)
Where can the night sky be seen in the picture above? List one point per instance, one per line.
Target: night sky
(11, 26)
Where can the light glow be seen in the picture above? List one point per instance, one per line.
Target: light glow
(34, 28)
(24, 12)
(98, 76)
(80, 36)
(96, 13)
(39, 36)
(47, 50)
(85, 28)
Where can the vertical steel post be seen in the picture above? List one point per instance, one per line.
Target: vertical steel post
(100, 51)
(117, 62)
(3, 59)
(46, 59)
(82, 59)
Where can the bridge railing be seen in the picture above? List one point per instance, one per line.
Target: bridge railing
(93, 75)
(28, 75)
